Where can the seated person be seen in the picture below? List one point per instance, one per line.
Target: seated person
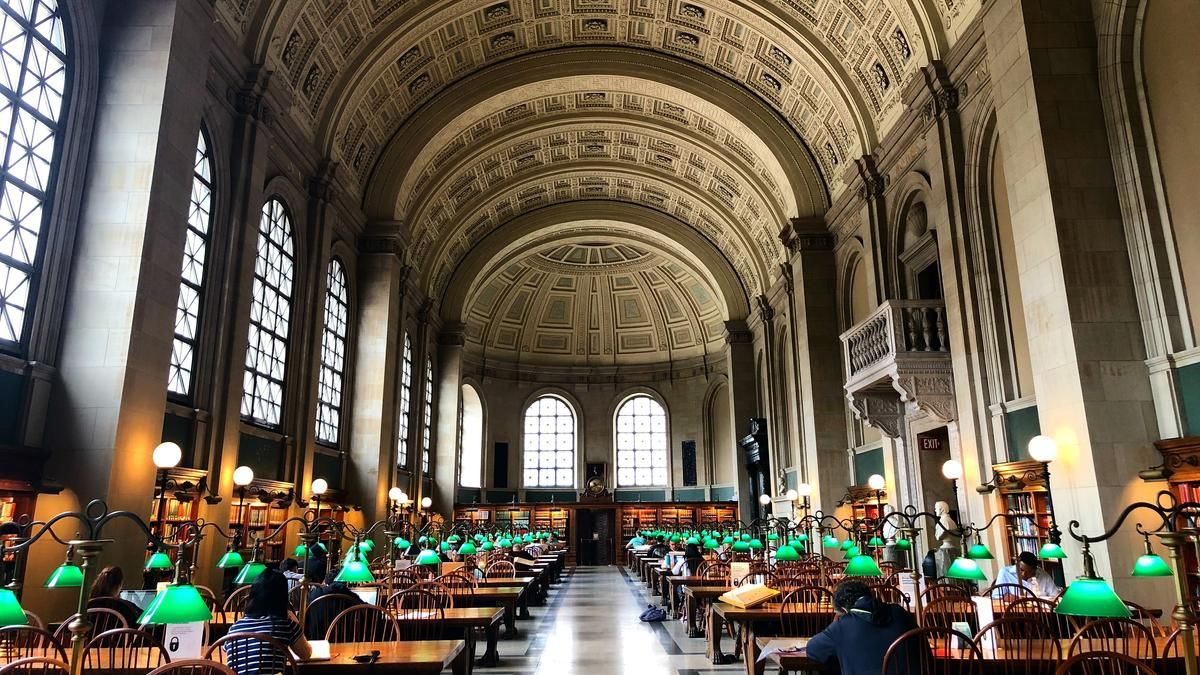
(637, 541)
(106, 594)
(266, 613)
(291, 572)
(1028, 572)
(862, 632)
(317, 619)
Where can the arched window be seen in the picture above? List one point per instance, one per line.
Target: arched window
(333, 355)
(32, 86)
(427, 432)
(642, 443)
(191, 282)
(406, 375)
(270, 317)
(550, 443)
(470, 431)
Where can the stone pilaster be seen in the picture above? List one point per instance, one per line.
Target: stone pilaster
(448, 385)
(739, 355)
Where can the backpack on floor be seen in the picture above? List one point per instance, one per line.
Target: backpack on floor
(653, 613)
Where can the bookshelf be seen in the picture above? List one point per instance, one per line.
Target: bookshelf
(175, 511)
(266, 504)
(1181, 469)
(864, 504)
(13, 505)
(1023, 496)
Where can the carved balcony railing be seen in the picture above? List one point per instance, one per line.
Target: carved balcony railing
(900, 353)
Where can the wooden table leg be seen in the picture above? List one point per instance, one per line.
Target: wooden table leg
(462, 663)
(716, 626)
(510, 619)
(491, 656)
(750, 651)
(523, 606)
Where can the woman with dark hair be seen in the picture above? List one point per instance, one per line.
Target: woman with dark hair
(106, 594)
(864, 629)
(266, 613)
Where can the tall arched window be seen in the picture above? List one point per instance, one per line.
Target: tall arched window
(270, 317)
(642, 443)
(427, 431)
(333, 354)
(191, 283)
(406, 376)
(549, 443)
(470, 433)
(32, 86)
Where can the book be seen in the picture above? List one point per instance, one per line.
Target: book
(750, 595)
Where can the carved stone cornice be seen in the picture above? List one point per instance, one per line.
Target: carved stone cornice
(765, 311)
(880, 408)
(929, 389)
(250, 98)
(453, 334)
(874, 182)
(737, 332)
(381, 243)
(806, 234)
(321, 183)
(944, 96)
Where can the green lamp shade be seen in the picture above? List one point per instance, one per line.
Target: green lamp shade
(740, 546)
(796, 542)
(756, 544)
(903, 544)
(830, 541)
(967, 569)
(249, 573)
(445, 546)
(787, 553)
(11, 613)
(773, 536)
(65, 576)
(876, 542)
(355, 572)
(693, 541)
(979, 552)
(853, 552)
(802, 537)
(863, 566)
(847, 544)
(453, 539)
(675, 539)
(467, 549)
(488, 546)
(478, 538)
(232, 559)
(505, 543)
(300, 551)
(367, 546)
(711, 544)
(428, 557)
(176, 604)
(727, 540)
(1091, 598)
(158, 561)
(1148, 565)
(1050, 551)
(745, 537)
(401, 543)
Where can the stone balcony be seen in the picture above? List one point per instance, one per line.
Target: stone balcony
(899, 356)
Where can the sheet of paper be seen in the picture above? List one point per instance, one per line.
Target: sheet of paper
(184, 640)
(737, 570)
(782, 645)
(983, 610)
(320, 651)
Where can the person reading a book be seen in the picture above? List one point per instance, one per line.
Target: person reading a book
(267, 614)
(862, 632)
(1028, 572)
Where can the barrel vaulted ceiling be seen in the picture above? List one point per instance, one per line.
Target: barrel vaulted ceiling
(456, 118)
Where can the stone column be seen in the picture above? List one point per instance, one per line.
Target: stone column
(819, 378)
(739, 355)
(1085, 338)
(448, 385)
(378, 351)
(107, 405)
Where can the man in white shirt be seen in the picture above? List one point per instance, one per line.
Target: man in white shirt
(1028, 572)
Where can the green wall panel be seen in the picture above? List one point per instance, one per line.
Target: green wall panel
(1189, 395)
(1021, 426)
(867, 463)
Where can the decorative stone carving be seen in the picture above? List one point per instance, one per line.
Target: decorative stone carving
(881, 409)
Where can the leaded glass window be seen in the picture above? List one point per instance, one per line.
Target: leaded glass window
(191, 283)
(549, 454)
(642, 443)
(270, 317)
(427, 432)
(33, 78)
(406, 380)
(333, 354)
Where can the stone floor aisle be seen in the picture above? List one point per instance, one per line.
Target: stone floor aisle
(590, 627)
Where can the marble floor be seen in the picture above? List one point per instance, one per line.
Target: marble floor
(590, 626)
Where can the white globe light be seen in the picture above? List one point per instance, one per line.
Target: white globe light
(1043, 448)
(404, 498)
(952, 469)
(243, 476)
(876, 482)
(426, 503)
(395, 494)
(764, 499)
(167, 455)
(319, 486)
(792, 495)
(804, 489)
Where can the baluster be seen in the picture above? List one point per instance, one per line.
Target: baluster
(940, 315)
(910, 328)
(926, 329)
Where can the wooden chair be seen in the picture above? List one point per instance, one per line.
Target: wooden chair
(500, 569)
(362, 623)
(1042, 610)
(210, 598)
(459, 583)
(124, 648)
(1103, 663)
(715, 571)
(36, 666)
(947, 611)
(1124, 636)
(938, 591)
(806, 611)
(888, 568)
(421, 572)
(760, 567)
(25, 642)
(419, 623)
(891, 594)
(296, 597)
(416, 598)
(1030, 646)
(438, 590)
(101, 619)
(34, 620)
(1146, 618)
(194, 667)
(788, 582)
(765, 578)
(913, 653)
(236, 643)
(1006, 593)
(236, 602)
(322, 611)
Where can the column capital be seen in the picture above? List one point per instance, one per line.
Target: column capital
(738, 332)
(806, 234)
(381, 239)
(453, 334)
